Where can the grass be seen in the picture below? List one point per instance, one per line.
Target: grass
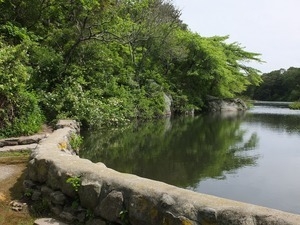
(14, 157)
(10, 217)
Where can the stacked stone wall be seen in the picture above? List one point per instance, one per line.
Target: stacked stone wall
(80, 191)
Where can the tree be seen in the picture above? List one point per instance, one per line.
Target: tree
(19, 111)
(103, 62)
(278, 85)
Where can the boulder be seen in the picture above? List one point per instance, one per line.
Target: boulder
(225, 105)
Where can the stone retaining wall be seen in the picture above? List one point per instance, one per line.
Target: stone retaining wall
(95, 194)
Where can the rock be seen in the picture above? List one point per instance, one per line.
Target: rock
(167, 201)
(225, 105)
(209, 214)
(177, 220)
(58, 198)
(28, 184)
(89, 193)
(48, 221)
(17, 206)
(46, 191)
(10, 142)
(31, 139)
(67, 216)
(96, 222)
(68, 123)
(111, 206)
(56, 209)
(235, 218)
(81, 217)
(36, 195)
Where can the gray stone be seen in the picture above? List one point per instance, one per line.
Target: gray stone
(208, 215)
(225, 105)
(31, 139)
(48, 221)
(143, 210)
(46, 191)
(67, 216)
(81, 216)
(56, 209)
(169, 218)
(234, 217)
(10, 142)
(95, 222)
(28, 184)
(111, 206)
(167, 201)
(36, 195)
(58, 198)
(89, 193)
(262, 220)
(68, 123)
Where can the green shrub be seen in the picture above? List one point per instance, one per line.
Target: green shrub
(21, 116)
(294, 105)
(76, 141)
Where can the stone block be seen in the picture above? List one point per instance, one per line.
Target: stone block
(48, 221)
(58, 198)
(89, 193)
(111, 206)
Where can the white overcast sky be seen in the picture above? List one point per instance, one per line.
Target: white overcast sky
(268, 27)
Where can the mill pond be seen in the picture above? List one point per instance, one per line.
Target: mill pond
(252, 157)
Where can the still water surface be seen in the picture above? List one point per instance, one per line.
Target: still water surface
(252, 157)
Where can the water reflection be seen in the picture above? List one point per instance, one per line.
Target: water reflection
(180, 151)
(275, 118)
(252, 157)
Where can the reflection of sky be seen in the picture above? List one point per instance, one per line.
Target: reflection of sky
(274, 182)
(273, 110)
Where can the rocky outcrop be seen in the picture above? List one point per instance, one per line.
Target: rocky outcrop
(78, 190)
(225, 105)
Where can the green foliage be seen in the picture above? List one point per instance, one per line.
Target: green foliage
(105, 63)
(124, 217)
(75, 181)
(278, 85)
(294, 105)
(19, 110)
(28, 192)
(40, 208)
(76, 141)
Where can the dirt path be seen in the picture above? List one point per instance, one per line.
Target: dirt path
(11, 178)
(12, 174)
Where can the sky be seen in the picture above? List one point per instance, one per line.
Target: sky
(268, 27)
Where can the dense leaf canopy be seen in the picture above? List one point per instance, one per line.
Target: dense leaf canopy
(278, 85)
(105, 62)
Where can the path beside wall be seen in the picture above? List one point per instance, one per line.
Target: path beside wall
(95, 194)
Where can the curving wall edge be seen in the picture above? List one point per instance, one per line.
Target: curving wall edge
(106, 196)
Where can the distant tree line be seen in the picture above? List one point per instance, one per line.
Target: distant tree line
(106, 62)
(278, 85)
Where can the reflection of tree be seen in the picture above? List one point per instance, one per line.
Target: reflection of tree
(192, 149)
(281, 123)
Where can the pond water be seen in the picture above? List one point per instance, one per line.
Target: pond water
(252, 157)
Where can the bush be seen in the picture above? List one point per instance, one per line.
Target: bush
(19, 110)
(21, 116)
(294, 105)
